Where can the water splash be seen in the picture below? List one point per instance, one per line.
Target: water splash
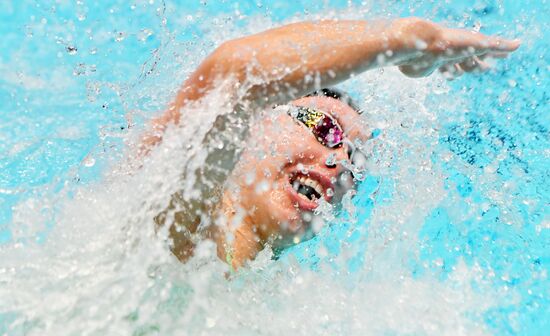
(406, 257)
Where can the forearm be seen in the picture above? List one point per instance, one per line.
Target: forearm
(293, 60)
(284, 63)
(296, 59)
(280, 64)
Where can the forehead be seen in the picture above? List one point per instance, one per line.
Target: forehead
(353, 124)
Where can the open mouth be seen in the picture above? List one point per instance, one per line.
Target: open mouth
(307, 189)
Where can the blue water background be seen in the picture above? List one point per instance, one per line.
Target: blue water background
(80, 65)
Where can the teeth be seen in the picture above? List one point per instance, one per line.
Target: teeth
(311, 183)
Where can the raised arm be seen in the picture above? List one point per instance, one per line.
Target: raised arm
(296, 59)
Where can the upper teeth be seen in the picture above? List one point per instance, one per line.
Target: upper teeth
(311, 183)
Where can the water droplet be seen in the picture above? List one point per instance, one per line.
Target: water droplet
(144, 34)
(317, 224)
(120, 36)
(28, 31)
(380, 59)
(302, 169)
(89, 162)
(84, 69)
(322, 251)
(331, 160)
(71, 50)
(80, 69)
(420, 44)
(358, 176)
(249, 178)
(210, 322)
(262, 187)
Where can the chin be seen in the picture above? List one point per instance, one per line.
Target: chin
(288, 221)
(279, 216)
(297, 232)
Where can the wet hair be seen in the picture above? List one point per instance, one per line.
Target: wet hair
(337, 94)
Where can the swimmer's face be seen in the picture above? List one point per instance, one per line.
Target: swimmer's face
(285, 170)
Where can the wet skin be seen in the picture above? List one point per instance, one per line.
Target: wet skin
(262, 199)
(259, 203)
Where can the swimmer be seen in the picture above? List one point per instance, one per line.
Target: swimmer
(305, 148)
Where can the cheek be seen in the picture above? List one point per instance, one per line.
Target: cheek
(279, 195)
(268, 159)
(282, 209)
(280, 140)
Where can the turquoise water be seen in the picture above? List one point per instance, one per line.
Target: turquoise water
(463, 210)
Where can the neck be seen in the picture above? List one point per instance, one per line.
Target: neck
(245, 243)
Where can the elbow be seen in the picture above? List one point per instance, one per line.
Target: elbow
(231, 59)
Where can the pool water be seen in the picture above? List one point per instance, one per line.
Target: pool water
(448, 234)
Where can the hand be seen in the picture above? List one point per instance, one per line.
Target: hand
(452, 51)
